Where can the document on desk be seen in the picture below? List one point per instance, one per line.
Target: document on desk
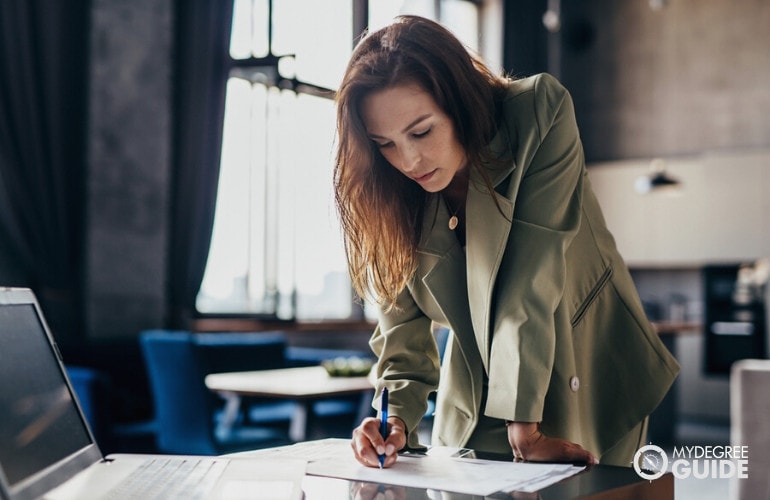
(436, 470)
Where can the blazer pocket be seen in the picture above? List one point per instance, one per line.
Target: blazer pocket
(453, 422)
(595, 291)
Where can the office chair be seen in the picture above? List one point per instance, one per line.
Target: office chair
(248, 351)
(184, 407)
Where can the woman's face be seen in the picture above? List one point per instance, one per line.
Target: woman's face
(414, 134)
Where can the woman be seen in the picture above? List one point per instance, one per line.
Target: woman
(465, 202)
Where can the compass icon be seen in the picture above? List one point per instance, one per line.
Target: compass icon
(650, 462)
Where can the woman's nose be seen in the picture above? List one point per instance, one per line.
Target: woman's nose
(410, 158)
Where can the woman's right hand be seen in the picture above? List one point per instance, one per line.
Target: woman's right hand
(368, 444)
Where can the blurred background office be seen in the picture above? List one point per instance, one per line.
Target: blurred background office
(167, 164)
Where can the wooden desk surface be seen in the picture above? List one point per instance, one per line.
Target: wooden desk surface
(295, 383)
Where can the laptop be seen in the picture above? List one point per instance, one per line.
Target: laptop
(47, 449)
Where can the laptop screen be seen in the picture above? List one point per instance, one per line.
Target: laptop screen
(39, 421)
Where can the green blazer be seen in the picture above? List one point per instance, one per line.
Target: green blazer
(541, 305)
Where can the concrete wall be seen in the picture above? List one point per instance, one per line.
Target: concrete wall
(129, 154)
(687, 78)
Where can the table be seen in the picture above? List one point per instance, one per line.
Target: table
(303, 384)
(599, 482)
(596, 482)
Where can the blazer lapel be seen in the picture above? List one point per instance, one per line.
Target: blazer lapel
(447, 271)
(487, 232)
(442, 266)
(442, 272)
(488, 223)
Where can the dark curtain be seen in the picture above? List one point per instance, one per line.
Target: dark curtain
(43, 70)
(201, 62)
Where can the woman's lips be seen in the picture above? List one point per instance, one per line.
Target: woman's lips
(424, 178)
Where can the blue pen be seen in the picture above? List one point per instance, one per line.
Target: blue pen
(384, 421)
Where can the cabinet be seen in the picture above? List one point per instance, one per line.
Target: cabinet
(733, 329)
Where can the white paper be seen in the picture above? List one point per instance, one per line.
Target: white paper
(439, 469)
(460, 475)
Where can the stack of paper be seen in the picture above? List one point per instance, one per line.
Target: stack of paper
(439, 469)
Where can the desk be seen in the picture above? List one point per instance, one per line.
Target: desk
(304, 384)
(597, 482)
(601, 482)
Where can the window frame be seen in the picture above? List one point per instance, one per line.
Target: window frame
(252, 69)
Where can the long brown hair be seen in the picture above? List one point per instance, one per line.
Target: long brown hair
(381, 210)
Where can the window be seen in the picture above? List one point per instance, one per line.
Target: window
(276, 247)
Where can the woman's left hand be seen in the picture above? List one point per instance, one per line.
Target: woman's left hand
(529, 443)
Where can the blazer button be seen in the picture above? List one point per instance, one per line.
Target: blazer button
(574, 384)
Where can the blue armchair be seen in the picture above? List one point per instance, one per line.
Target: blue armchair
(184, 408)
(235, 352)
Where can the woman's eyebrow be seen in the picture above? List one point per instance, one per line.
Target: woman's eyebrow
(415, 122)
(405, 129)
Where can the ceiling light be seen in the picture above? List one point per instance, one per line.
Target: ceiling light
(658, 180)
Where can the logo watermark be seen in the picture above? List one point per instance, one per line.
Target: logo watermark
(700, 462)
